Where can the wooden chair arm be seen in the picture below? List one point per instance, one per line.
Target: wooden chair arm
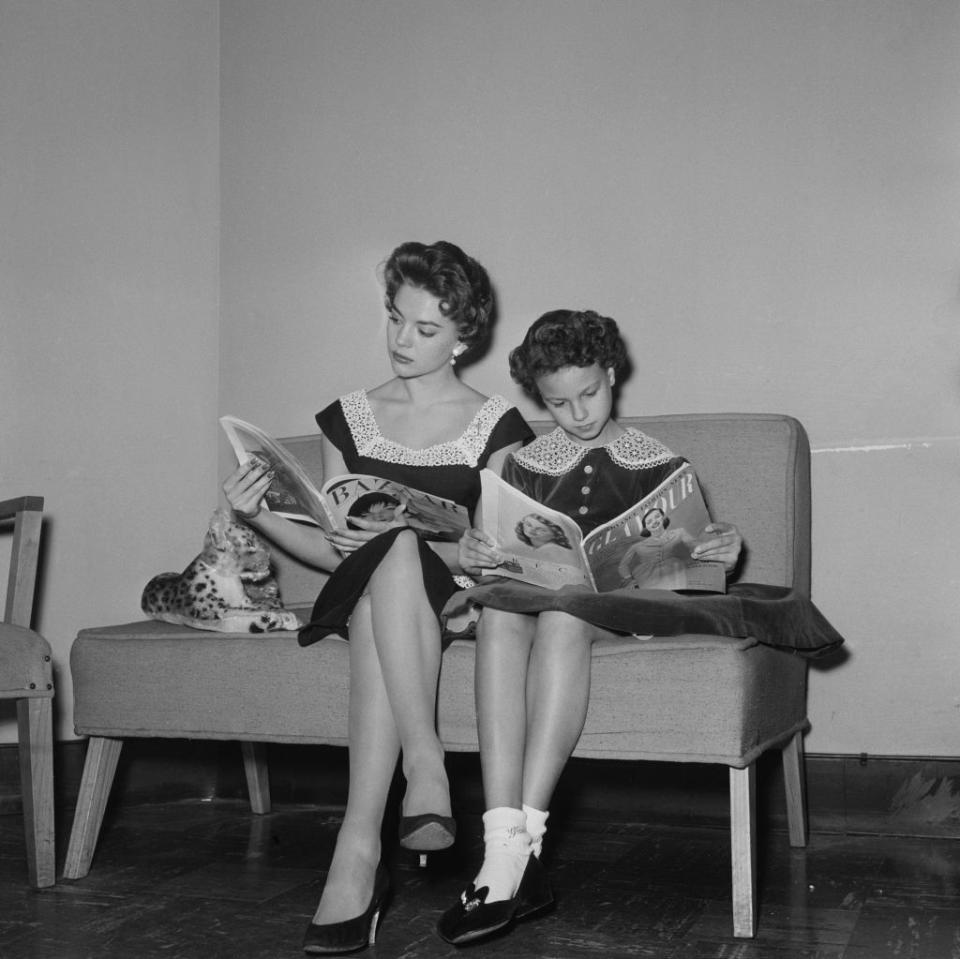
(27, 511)
(20, 504)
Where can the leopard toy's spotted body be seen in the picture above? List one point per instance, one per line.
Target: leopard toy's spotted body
(228, 587)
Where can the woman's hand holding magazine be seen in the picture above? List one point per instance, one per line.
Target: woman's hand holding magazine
(350, 539)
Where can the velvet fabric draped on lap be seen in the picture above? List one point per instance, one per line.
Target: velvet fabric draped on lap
(773, 615)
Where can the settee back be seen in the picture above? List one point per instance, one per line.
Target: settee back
(754, 469)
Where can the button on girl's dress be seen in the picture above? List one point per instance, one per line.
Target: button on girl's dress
(588, 468)
(582, 511)
(585, 490)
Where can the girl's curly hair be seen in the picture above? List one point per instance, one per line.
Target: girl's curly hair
(564, 338)
(458, 281)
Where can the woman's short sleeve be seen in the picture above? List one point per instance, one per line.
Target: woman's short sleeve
(510, 428)
(334, 426)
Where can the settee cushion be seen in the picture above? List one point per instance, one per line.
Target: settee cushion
(170, 681)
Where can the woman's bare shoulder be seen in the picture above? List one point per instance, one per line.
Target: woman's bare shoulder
(386, 392)
(460, 397)
(472, 398)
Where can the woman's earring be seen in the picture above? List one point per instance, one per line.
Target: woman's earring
(457, 351)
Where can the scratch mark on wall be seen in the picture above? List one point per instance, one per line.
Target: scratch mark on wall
(920, 442)
(879, 448)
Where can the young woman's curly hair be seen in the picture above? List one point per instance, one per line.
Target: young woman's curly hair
(458, 281)
(563, 338)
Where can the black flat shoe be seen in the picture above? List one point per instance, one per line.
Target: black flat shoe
(472, 918)
(427, 832)
(534, 894)
(351, 935)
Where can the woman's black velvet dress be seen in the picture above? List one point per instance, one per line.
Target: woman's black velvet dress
(451, 470)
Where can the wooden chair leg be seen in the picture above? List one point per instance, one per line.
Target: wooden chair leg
(99, 769)
(794, 783)
(743, 849)
(35, 728)
(258, 776)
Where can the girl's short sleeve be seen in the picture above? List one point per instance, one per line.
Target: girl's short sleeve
(514, 474)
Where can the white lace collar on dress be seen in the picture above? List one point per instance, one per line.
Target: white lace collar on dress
(465, 450)
(555, 453)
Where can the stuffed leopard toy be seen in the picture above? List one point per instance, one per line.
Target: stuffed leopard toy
(228, 587)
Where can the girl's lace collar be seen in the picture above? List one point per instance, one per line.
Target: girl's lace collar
(465, 450)
(555, 453)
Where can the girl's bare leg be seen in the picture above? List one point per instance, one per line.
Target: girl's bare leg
(558, 692)
(407, 637)
(504, 641)
(503, 650)
(533, 687)
(374, 747)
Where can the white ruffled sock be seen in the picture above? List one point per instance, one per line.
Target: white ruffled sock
(506, 851)
(536, 826)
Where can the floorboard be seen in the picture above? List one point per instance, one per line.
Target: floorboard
(205, 880)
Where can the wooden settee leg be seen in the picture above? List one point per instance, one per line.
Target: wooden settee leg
(99, 769)
(258, 776)
(35, 728)
(795, 789)
(743, 830)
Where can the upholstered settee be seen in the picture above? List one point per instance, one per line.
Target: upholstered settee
(693, 698)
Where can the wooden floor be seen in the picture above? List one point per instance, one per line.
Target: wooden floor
(195, 880)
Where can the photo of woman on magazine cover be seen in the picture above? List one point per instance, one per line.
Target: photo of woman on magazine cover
(536, 531)
(659, 555)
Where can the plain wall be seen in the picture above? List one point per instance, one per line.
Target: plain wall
(765, 194)
(108, 297)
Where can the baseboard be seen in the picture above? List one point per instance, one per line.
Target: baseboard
(909, 796)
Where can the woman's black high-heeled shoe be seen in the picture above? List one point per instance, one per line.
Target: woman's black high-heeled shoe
(351, 935)
(428, 832)
(472, 918)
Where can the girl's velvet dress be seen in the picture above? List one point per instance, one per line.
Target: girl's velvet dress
(593, 486)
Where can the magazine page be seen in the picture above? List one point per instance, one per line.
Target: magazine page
(371, 497)
(292, 493)
(649, 545)
(539, 545)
